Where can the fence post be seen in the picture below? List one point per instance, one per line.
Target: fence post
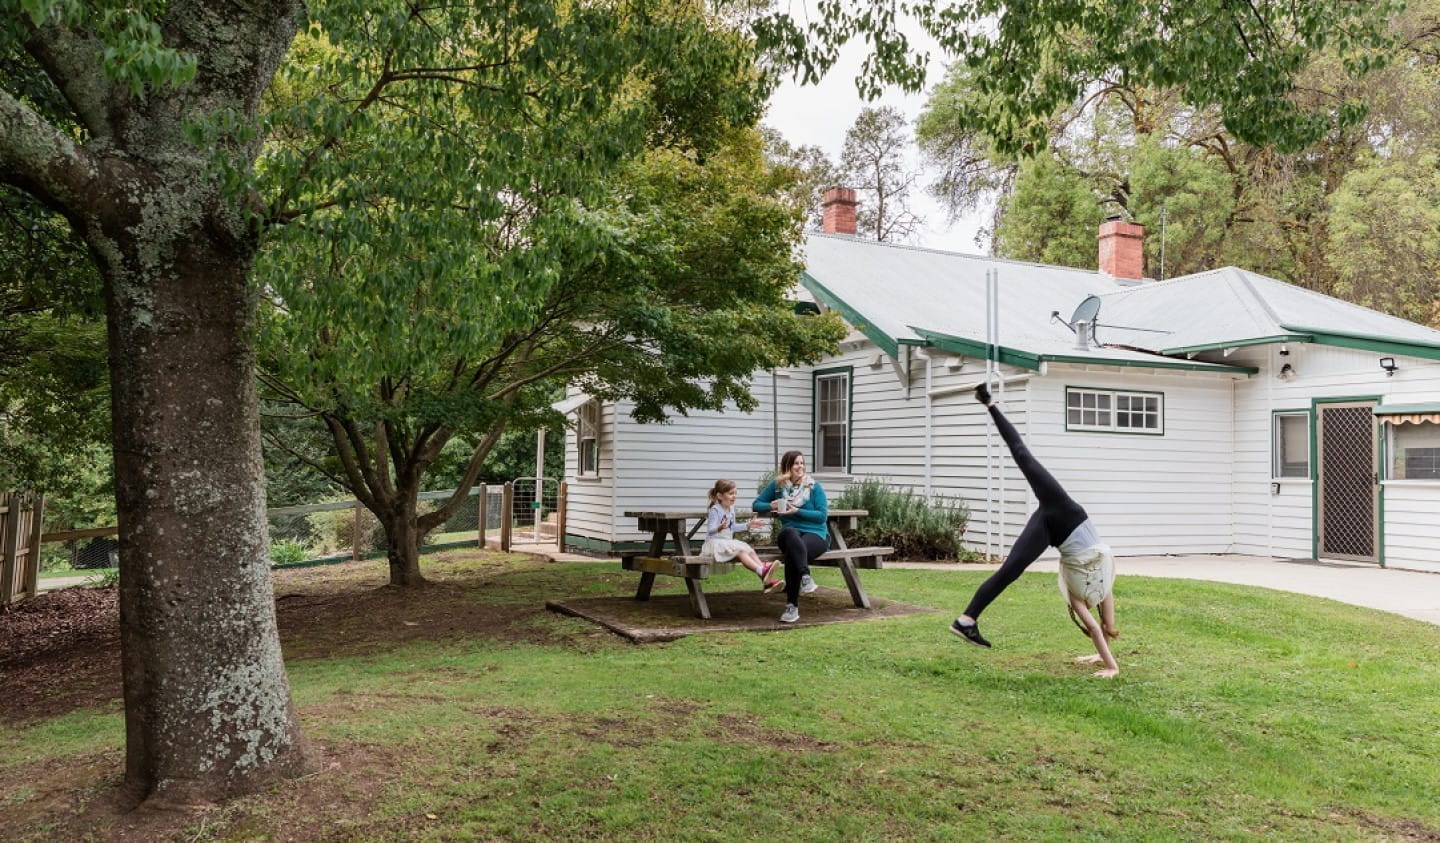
(507, 514)
(561, 501)
(355, 535)
(10, 534)
(32, 553)
(482, 506)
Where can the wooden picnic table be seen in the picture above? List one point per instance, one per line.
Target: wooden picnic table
(668, 532)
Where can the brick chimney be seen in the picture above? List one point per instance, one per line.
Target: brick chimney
(839, 210)
(1122, 249)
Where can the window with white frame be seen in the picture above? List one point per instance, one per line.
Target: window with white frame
(1114, 411)
(1290, 445)
(1414, 449)
(832, 421)
(588, 433)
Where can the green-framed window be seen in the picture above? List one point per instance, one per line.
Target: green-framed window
(1114, 411)
(1290, 444)
(1413, 448)
(832, 421)
(588, 433)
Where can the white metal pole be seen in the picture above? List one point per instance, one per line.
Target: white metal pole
(1000, 395)
(989, 432)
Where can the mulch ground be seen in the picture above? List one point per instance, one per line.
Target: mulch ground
(60, 651)
(668, 617)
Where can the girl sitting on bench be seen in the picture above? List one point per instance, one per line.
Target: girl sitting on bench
(720, 541)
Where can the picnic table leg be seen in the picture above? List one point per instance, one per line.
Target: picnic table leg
(852, 581)
(647, 579)
(697, 598)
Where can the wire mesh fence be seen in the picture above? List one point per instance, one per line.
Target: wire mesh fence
(535, 509)
(344, 529)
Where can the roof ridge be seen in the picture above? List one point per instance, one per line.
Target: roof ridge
(913, 248)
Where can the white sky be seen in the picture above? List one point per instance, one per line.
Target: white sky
(819, 115)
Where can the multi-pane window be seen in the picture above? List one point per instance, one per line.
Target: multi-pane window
(1123, 412)
(1414, 450)
(832, 420)
(589, 436)
(1290, 445)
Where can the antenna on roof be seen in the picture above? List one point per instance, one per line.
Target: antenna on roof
(1085, 313)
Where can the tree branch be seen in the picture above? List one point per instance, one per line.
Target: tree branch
(44, 161)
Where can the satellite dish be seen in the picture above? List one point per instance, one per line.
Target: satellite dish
(1086, 311)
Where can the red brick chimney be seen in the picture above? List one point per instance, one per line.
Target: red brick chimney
(1122, 249)
(839, 210)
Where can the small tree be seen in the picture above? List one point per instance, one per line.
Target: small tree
(873, 162)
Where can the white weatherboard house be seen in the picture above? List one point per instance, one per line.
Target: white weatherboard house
(1219, 412)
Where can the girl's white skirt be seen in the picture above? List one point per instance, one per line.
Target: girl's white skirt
(1088, 575)
(723, 549)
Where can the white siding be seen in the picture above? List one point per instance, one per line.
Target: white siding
(590, 500)
(1205, 486)
(1282, 524)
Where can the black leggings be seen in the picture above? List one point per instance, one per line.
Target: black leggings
(797, 548)
(1053, 521)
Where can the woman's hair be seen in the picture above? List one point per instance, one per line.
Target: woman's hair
(720, 488)
(788, 459)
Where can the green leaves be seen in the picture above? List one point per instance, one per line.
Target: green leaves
(1030, 59)
(131, 47)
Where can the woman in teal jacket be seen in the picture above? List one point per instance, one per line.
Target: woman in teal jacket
(799, 502)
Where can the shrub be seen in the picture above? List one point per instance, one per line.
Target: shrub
(336, 529)
(287, 551)
(916, 527)
(107, 578)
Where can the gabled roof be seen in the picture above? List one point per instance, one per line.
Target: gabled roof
(1230, 307)
(901, 295)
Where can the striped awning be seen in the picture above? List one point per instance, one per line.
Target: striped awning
(1408, 413)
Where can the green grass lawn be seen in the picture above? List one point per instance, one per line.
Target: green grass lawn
(1239, 713)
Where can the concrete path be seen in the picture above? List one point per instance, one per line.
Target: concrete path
(1413, 594)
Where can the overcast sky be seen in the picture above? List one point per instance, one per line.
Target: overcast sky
(819, 115)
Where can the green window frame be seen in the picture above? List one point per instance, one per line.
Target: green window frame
(1088, 409)
(1290, 444)
(832, 413)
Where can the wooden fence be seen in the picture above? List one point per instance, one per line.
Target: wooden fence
(20, 518)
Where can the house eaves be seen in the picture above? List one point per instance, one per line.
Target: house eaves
(1101, 356)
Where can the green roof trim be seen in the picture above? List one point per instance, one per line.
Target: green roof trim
(1028, 360)
(1220, 346)
(1405, 409)
(1157, 363)
(1372, 342)
(854, 317)
(974, 348)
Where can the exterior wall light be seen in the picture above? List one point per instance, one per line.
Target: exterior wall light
(1388, 364)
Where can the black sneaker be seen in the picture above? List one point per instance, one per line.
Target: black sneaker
(969, 632)
(982, 394)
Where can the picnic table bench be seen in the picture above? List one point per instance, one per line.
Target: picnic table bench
(669, 528)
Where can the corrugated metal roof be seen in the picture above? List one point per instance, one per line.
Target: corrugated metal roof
(906, 293)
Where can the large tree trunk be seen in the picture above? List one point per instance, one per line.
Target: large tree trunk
(402, 539)
(207, 702)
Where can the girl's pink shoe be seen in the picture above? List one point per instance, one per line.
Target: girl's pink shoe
(772, 586)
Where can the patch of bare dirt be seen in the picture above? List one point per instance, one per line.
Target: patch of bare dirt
(60, 651)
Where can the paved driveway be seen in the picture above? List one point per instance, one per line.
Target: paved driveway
(1409, 593)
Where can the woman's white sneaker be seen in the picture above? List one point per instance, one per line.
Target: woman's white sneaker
(807, 585)
(791, 613)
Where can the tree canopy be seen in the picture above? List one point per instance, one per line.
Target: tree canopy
(617, 228)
